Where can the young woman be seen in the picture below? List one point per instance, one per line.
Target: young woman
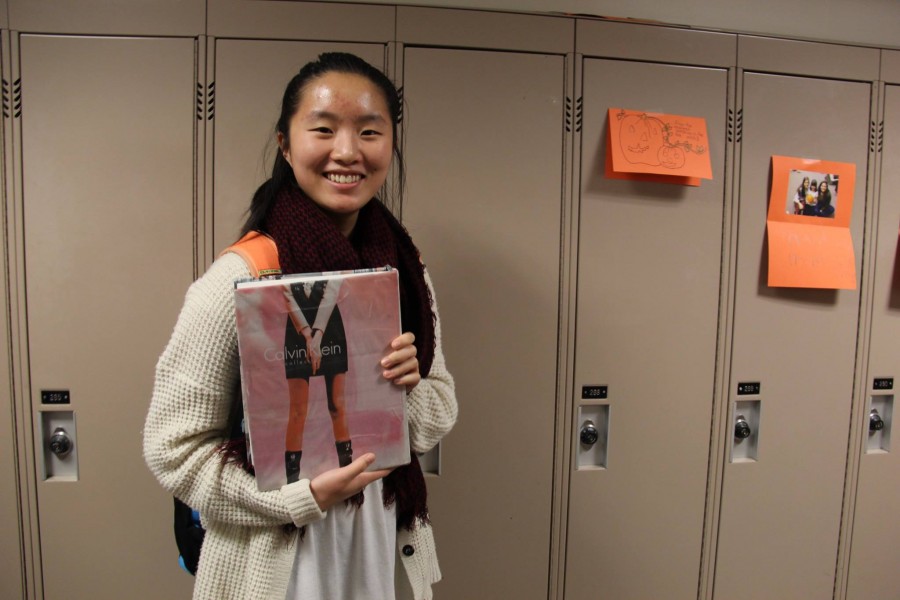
(800, 197)
(812, 196)
(337, 137)
(823, 201)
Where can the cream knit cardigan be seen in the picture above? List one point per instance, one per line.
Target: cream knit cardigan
(246, 554)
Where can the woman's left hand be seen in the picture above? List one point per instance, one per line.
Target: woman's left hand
(401, 365)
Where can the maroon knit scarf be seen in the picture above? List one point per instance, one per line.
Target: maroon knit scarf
(308, 241)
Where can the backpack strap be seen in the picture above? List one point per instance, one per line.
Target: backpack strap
(259, 252)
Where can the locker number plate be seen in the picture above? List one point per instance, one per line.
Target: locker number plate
(54, 396)
(886, 383)
(748, 388)
(593, 392)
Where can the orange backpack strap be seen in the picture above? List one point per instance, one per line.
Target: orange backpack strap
(259, 252)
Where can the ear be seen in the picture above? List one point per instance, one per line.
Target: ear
(285, 152)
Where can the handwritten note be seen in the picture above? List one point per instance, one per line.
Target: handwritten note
(642, 143)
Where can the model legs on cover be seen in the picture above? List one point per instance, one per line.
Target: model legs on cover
(298, 389)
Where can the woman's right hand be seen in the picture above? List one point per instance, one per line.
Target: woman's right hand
(336, 485)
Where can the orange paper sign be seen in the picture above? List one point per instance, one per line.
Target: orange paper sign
(808, 226)
(810, 256)
(676, 179)
(657, 144)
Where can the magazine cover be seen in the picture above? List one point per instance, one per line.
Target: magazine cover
(314, 395)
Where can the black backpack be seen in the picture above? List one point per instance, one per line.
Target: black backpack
(189, 536)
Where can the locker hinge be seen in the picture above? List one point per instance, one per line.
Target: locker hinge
(210, 101)
(400, 108)
(735, 125)
(876, 137)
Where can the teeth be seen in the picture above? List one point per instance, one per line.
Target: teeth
(343, 178)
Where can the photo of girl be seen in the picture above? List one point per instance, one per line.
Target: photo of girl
(824, 208)
(800, 197)
(809, 207)
(813, 194)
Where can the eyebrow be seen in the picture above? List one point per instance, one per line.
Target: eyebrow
(366, 118)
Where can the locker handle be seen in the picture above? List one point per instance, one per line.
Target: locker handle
(742, 428)
(589, 434)
(876, 423)
(60, 442)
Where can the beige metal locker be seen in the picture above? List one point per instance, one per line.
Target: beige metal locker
(649, 264)
(781, 511)
(107, 163)
(250, 77)
(875, 543)
(291, 20)
(483, 142)
(107, 17)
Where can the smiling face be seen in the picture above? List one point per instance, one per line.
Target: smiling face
(339, 144)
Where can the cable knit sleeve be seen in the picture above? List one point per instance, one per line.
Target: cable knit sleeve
(196, 379)
(431, 406)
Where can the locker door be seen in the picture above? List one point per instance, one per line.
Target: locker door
(107, 166)
(875, 547)
(484, 150)
(649, 261)
(780, 514)
(250, 79)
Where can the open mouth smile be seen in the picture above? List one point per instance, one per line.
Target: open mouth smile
(342, 178)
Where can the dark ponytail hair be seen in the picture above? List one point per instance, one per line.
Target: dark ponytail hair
(282, 174)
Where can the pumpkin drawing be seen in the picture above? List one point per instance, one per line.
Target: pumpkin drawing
(645, 140)
(642, 138)
(671, 157)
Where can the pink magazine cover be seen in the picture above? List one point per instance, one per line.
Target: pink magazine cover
(313, 391)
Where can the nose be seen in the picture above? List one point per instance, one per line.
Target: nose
(346, 147)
